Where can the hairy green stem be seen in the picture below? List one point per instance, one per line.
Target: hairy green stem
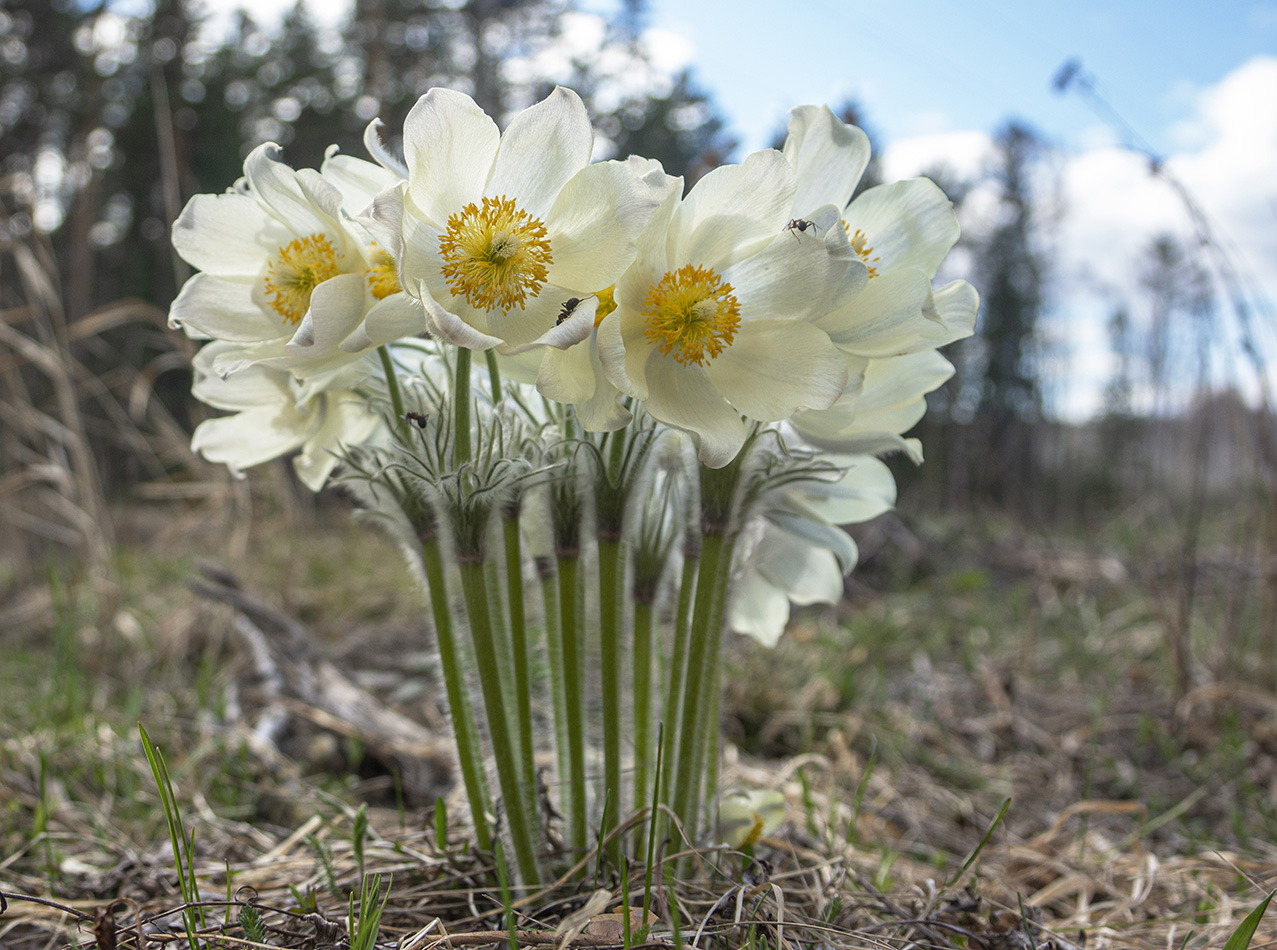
(611, 609)
(688, 777)
(616, 455)
(642, 693)
(392, 385)
(709, 728)
(573, 690)
(678, 673)
(554, 655)
(519, 800)
(461, 410)
(494, 374)
(463, 727)
(519, 643)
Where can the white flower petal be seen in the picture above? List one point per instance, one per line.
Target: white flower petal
(419, 261)
(868, 443)
(347, 421)
(828, 155)
(449, 146)
(390, 319)
(890, 382)
(381, 153)
(954, 307)
(384, 220)
(228, 235)
(651, 262)
(595, 224)
(865, 490)
(807, 574)
(907, 223)
(758, 609)
(566, 375)
(337, 306)
(790, 278)
(542, 148)
(776, 367)
(818, 533)
(358, 181)
(251, 437)
(226, 310)
(292, 196)
(447, 326)
(603, 412)
(572, 321)
(522, 367)
(575, 376)
(247, 390)
(615, 358)
(744, 816)
(887, 318)
(733, 212)
(683, 397)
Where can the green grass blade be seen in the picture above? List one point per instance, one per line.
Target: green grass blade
(980, 847)
(183, 844)
(507, 898)
(441, 825)
(358, 835)
(363, 936)
(1241, 937)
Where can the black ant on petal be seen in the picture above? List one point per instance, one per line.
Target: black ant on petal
(569, 308)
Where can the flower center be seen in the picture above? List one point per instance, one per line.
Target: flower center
(495, 256)
(382, 281)
(860, 244)
(292, 277)
(691, 314)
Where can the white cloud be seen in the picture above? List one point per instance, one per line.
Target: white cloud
(961, 154)
(1114, 206)
(1113, 209)
(668, 51)
(1233, 175)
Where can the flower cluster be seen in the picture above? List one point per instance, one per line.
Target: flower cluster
(701, 378)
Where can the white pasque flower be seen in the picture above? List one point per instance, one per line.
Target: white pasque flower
(575, 375)
(801, 554)
(715, 319)
(274, 414)
(901, 231)
(495, 232)
(287, 273)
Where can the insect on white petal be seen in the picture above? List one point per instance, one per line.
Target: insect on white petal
(796, 225)
(569, 308)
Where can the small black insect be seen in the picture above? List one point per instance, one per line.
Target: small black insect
(801, 224)
(569, 308)
(417, 418)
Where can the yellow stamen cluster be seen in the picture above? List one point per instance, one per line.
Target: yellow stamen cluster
(607, 303)
(495, 256)
(381, 277)
(691, 314)
(301, 267)
(859, 244)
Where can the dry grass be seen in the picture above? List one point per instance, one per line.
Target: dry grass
(896, 730)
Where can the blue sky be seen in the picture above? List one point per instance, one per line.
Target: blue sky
(921, 66)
